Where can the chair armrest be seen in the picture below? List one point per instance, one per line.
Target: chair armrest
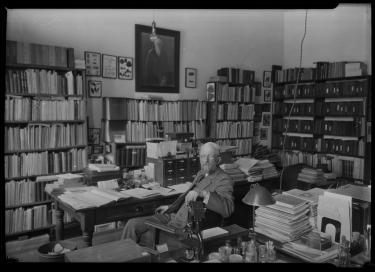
(160, 226)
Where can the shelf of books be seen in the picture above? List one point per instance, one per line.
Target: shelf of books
(327, 122)
(45, 130)
(230, 109)
(128, 122)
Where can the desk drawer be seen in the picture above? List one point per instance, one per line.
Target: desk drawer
(181, 172)
(181, 163)
(169, 165)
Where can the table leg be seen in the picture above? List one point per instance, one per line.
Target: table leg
(59, 224)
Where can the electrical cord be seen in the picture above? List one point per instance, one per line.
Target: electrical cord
(294, 101)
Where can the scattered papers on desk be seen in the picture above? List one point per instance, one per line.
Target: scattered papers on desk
(108, 184)
(64, 181)
(140, 193)
(182, 187)
(311, 175)
(355, 191)
(298, 249)
(110, 194)
(232, 170)
(150, 185)
(257, 169)
(212, 232)
(103, 167)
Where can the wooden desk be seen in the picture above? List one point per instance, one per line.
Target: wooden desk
(132, 207)
(121, 210)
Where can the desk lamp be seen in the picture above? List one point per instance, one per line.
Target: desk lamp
(257, 196)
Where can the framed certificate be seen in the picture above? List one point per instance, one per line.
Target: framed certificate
(93, 64)
(109, 67)
(125, 68)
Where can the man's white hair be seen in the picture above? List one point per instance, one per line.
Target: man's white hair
(213, 147)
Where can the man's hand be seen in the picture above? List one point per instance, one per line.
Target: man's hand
(191, 196)
(161, 209)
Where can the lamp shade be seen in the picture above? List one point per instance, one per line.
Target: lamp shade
(258, 196)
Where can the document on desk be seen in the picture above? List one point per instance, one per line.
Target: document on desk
(111, 194)
(181, 188)
(77, 204)
(140, 193)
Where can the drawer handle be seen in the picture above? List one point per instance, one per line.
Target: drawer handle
(139, 209)
(169, 171)
(181, 169)
(170, 162)
(182, 177)
(170, 179)
(182, 161)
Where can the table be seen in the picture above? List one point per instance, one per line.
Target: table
(132, 207)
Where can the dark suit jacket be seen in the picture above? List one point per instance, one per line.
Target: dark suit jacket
(220, 186)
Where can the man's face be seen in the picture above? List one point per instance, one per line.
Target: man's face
(207, 160)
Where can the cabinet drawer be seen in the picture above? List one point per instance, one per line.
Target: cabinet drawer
(181, 180)
(170, 174)
(181, 172)
(169, 165)
(181, 163)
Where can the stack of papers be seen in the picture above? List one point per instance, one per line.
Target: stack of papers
(182, 187)
(62, 181)
(140, 193)
(103, 167)
(284, 221)
(312, 196)
(108, 184)
(257, 169)
(233, 171)
(310, 175)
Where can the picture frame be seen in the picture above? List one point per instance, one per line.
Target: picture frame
(267, 75)
(190, 77)
(268, 95)
(94, 136)
(211, 91)
(266, 119)
(93, 63)
(94, 88)
(157, 61)
(109, 66)
(263, 133)
(125, 68)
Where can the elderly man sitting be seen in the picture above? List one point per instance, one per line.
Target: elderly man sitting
(211, 183)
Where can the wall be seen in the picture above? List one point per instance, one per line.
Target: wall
(210, 39)
(341, 34)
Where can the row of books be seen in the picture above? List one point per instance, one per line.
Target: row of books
(175, 126)
(234, 129)
(244, 146)
(24, 192)
(153, 110)
(21, 219)
(352, 168)
(41, 136)
(198, 128)
(139, 131)
(38, 54)
(226, 93)
(40, 81)
(330, 146)
(355, 128)
(262, 152)
(237, 75)
(284, 221)
(234, 111)
(290, 75)
(326, 70)
(352, 88)
(26, 109)
(29, 164)
(354, 108)
(131, 155)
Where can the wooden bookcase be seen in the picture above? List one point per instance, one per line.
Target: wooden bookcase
(45, 131)
(327, 124)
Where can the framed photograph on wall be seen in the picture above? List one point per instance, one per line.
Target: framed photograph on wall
(267, 79)
(125, 68)
(266, 119)
(94, 136)
(263, 133)
(95, 88)
(157, 60)
(190, 77)
(268, 95)
(211, 91)
(93, 63)
(109, 67)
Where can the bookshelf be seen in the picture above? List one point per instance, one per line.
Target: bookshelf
(132, 121)
(45, 131)
(230, 109)
(328, 121)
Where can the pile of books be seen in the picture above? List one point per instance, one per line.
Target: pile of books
(310, 175)
(62, 181)
(233, 171)
(257, 169)
(261, 152)
(312, 196)
(284, 221)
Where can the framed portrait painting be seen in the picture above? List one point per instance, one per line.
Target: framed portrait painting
(94, 136)
(125, 68)
(157, 60)
(190, 78)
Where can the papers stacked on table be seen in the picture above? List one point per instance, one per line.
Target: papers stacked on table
(310, 175)
(233, 171)
(140, 193)
(284, 221)
(256, 169)
(182, 187)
